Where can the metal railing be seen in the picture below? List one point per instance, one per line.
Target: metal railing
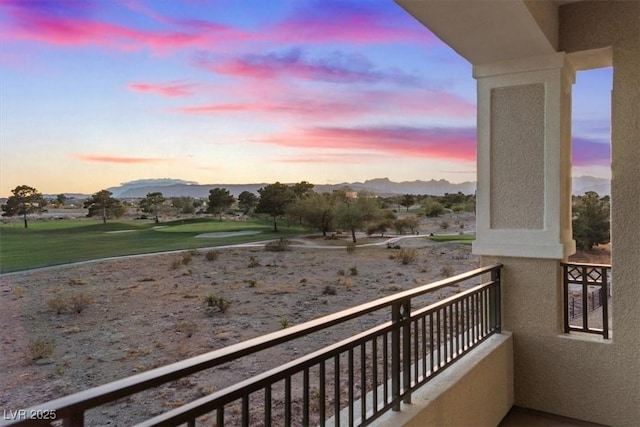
(587, 287)
(355, 380)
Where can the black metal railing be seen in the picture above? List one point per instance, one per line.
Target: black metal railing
(587, 288)
(354, 381)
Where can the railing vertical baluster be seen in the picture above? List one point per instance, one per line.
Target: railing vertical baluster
(565, 284)
(363, 382)
(416, 354)
(374, 372)
(191, 423)
(467, 321)
(457, 329)
(406, 351)
(451, 332)
(495, 301)
(431, 342)
(585, 300)
(605, 303)
(395, 356)
(351, 386)
(220, 417)
(287, 401)
(445, 343)
(336, 389)
(385, 367)
(322, 394)
(267, 405)
(424, 347)
(305, 397)
(438, 336)
(245, 411)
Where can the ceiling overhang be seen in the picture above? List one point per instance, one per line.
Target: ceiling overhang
(490, 31)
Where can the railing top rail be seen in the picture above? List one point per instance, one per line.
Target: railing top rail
(584, 264)
(96, 396)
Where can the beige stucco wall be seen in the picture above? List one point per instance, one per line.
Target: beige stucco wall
(476, 391)
(576, 375)
(517, 156)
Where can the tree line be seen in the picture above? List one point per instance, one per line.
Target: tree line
(323, 212)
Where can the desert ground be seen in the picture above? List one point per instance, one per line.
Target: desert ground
(143, 312)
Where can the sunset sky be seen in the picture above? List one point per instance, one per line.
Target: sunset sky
(94, 94)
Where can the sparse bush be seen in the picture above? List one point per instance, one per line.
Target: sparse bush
(41, 348)
(252, 282)
(57, 304)
(18, 291)
(351, 248)
(79, 302)
(176, 263)
(330, 290)
(253, 262)
(353, 270)
(278, 245)
(341, 272)
(284, 323)
(407, 256)
(447, 271)
(186, 258)
(212, 255)
(444, 225)
(218, 302)
(187, 328)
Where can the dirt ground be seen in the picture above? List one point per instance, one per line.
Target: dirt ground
(144, 312)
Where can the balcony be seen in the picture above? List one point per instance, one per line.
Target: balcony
(364, 379)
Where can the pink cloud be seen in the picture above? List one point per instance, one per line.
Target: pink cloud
(590, 152)
(337, 67)
(332, 158)
(100, 158)
(41, 24)
(440, 143)
(352, 22)
(167, 89)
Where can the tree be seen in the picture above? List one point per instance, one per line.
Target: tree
(183, 204)
(315, 210)
(60, 199)
(219, 201)
(433, 208)
(25, 200)
(352, 215)
(407, 201)
(274, 199)
(591, 223)
(247, 201)
(151, 203)
(102, 204)
(302, 189)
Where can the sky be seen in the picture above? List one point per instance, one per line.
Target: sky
(95, 94)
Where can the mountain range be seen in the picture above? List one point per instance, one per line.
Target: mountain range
(379, 186)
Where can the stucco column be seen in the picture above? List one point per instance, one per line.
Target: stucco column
(524, 148)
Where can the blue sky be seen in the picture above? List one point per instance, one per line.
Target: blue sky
(93, 94)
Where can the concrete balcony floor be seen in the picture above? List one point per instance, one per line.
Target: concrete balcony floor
(520, 417)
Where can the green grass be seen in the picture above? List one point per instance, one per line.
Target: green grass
(47, 243)
(458, 238)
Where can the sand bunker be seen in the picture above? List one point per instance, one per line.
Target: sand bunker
(221, 234)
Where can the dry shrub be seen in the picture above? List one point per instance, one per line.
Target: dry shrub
(330, 290)
(18, 291)
(351, 248)
(79, 302)
(57, 304)
(407, 256)
(41, 348)
(186, 258)
(176, 263)
(212, 255)
(278, 245)
(447, 271)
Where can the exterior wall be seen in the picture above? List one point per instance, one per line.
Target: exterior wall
(576, 375)
(597, 25)
(477, 390)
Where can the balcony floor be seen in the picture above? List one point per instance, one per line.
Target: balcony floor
(521, 417)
